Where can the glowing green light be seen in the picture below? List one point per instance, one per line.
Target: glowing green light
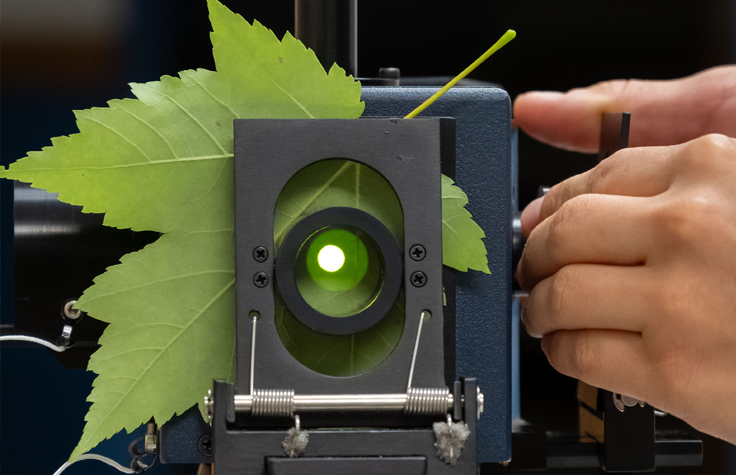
(331, 258)
(336, 273)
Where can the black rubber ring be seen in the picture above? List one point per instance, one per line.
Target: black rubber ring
(286, 281)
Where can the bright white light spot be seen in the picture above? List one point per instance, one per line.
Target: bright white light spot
(331, 258)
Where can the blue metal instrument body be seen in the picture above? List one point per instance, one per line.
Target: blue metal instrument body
(485, 169)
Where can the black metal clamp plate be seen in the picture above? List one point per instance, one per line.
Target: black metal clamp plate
(256, 451)
(408, 154)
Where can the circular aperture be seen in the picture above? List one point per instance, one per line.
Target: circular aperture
(318, 186)
(339, 270)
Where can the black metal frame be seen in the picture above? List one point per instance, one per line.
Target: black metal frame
(408, 153)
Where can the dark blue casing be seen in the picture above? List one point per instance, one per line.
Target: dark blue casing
(484, 170)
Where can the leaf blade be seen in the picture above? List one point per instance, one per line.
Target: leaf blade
(273, 64)
(183, 342)
(462, 239)
(190, 194)
(130, 142)
(162, 162)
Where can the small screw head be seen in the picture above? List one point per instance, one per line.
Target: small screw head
(205, 445)
(209, 403)
(481, 401)
(260, 279)
(69, 312)
(260, 254)
(417, 252)
(418, 279)
(65, 339)
(66, 332)
(150, 443)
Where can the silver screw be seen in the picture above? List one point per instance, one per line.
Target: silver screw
(151, 439)
(209, 403)
(481, 401)
(70, 312)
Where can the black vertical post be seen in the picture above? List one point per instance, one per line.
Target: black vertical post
(614, 133)
(330, 28)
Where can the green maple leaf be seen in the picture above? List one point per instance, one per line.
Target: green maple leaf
(163, 162)
(462, 245)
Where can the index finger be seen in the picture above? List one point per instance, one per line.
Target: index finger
(589, 229)
(636, 172)
(664, 112)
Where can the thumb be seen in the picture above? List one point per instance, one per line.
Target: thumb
(663, 112)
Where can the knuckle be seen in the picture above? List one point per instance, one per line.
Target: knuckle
(559, 223)
(553, 199)
(559, 295)
(610, 170)
(614, 87)
(707, 151)
(573, 353)
(548, 304)
(715, 142)
(584, 356)
(600, 175)
(688, 218)
(562, 224)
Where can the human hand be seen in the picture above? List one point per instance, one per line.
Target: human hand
(631, 267)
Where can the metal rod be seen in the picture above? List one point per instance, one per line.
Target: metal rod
(416, 347)
(253, 355)
(330, 28)
(340, 402)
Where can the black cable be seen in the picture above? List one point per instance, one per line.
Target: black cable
(140, 467)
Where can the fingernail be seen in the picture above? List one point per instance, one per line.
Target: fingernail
(522, 312)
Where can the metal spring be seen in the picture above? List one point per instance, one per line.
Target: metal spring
(273, 402)
(426, 401)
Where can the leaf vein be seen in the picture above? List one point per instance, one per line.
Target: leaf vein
(212, 95)
(122, 136)
(133, 165)
(161, 352)
(311, 200)
(205, 129)
(153, 282)
(152, 128)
